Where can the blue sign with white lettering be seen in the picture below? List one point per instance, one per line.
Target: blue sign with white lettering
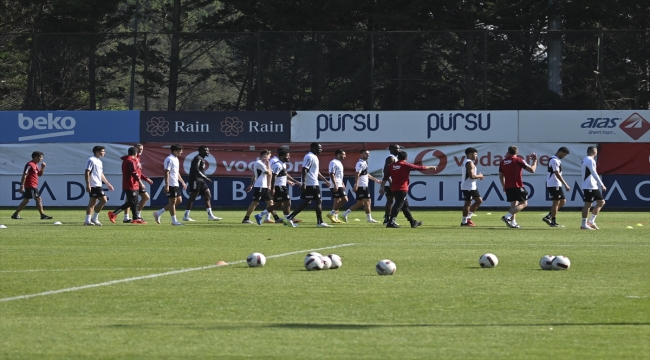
(69, 126)
(215, 126)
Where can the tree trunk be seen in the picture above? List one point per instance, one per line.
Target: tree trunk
(174, 61)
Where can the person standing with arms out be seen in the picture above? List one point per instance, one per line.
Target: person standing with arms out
(172, 179)
(338, 188)
(469, 188)
(310, 186)
(131, 184)
(280, 193)
(591, 185)
(361, 188)
(94, 175)
(394, 149)
(510, 175)
(554, 183)
(198, 185)
(261, 180)
(399, 173)
(144, 196)
(29, 185)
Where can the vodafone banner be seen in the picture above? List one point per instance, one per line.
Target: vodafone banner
(60, 158)
(403, 126)
(597, 126)
(628, 159)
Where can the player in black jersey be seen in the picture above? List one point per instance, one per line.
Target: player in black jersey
(197, 184)
(394, 150)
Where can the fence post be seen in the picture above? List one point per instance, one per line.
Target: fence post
(485, 69)
(372, 70)
(135, 51)
(601, 99)
(144, 73)
(259, 70)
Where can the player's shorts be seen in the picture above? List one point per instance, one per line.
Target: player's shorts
(556, 193)
(96, 192)
(517, 194)
(142, 190)
(281, 193)
(131, 195)
(362, 193)
(388, 191)
(31, 194)
(174, 191)
(261, 194)
(592, 195)
(310, 193)
(197, 186)
(339, 193)
(468, 195)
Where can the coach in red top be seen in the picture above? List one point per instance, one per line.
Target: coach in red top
(513, 184)
(29, 185)
(131, 184)
(399, 172)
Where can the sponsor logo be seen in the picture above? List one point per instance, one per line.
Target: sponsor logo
(361, 122)
(423, 159)
(157, 126)
(49, 123)
(635, 126)
(232, 126)
(437, 122)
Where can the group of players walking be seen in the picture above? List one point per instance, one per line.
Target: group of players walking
(271, 182)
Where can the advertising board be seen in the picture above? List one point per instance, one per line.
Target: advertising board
(624, 159)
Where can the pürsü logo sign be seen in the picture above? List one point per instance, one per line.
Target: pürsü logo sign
(50, 122)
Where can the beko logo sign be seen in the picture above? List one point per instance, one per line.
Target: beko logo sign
(50, 126)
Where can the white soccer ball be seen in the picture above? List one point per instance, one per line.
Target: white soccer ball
(312, 254)
(561, 263)
(488, 260)
(314, 263)
(256, 259)
(545, 262)
(336, 261)
(327, 262)
(386, 267)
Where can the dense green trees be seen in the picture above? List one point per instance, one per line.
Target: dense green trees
(321, 54)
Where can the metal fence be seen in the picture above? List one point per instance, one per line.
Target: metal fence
(468, 70)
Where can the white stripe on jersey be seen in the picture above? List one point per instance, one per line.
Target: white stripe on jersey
(261, 179)
(96, 168)
(555, 164)
(336, 168)
(311, 163)
(362, 169)
(467, 183)
(590, 178)
(171, 164)
(280, 170)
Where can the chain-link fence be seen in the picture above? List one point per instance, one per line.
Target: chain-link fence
(464, 70)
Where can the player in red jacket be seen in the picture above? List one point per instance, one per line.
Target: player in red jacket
(29, 185)
(399, 173)
(144, 196)
(131, 184)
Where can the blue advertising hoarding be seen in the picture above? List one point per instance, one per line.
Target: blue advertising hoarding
(69, 126)
(215, 126)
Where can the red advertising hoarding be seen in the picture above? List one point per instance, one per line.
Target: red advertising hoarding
(624, 159)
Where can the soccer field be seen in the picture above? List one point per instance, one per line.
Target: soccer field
(153, 291)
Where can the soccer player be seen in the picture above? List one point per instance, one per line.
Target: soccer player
(394, 149)
(172, 179)
(469, 188)
(554, 183)
(510, 175)
(261, 180)
(399, 173)
(94, 176)
(280, 193)
(591, 183)
(338, 188)
(198, 184)
(131, 184)
(29, 185)
(310, 186)
(144, 196)
(361, 187)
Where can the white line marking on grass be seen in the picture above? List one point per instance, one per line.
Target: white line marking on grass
(152, 276)
(55, 270)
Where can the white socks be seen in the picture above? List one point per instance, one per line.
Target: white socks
(592, 219)
(369, 216)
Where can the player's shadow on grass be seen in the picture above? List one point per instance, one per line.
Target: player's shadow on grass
(371, 326)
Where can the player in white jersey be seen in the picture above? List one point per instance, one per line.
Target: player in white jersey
(261, 180)
(94, 175)
(386, 191)
(310, 186)
(469, 188)
(591, 185)
(361, 189)
(338, 188)
(172, 178)
(281, 181)
(554, 184)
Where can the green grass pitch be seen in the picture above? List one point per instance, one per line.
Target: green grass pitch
(439, 304)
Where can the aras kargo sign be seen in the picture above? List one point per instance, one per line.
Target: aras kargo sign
(217, 126)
